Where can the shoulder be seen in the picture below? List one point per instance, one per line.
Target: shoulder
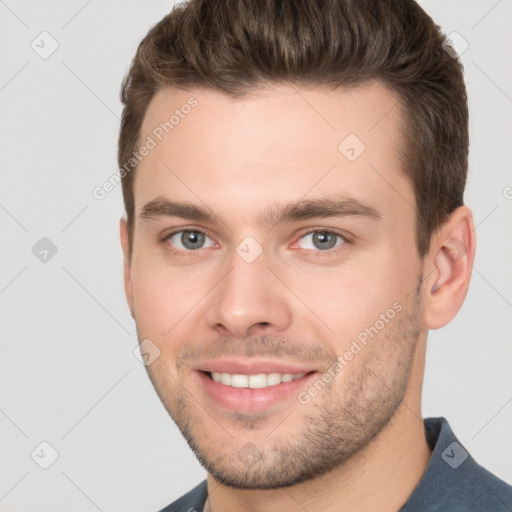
(453, 480)
(487, 492)
(478, 490)
(193, 501)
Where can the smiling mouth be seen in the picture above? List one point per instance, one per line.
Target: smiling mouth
(256, 381)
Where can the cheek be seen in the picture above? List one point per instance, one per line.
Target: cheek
(167, 298)
(352, 297)
(159, 297)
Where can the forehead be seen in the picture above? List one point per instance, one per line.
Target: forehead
(279, 143)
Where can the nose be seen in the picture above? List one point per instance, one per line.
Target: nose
(249, 300)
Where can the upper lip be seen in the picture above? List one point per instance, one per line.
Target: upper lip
(248, 367)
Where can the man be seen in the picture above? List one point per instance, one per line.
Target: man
(293, 182)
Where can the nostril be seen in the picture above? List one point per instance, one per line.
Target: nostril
(258, 326)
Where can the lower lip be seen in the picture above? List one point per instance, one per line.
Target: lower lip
(249, 399)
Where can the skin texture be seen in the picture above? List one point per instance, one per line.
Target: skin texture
(297, 302)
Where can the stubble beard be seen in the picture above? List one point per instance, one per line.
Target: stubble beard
(338, 425)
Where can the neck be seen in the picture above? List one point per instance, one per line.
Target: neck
(380, 477)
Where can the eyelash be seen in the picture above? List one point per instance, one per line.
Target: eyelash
(191, 254)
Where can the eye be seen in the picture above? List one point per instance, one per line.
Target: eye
(189, 240)
(321, 240)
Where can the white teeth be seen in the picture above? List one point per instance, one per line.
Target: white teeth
(239, 381)
(261, 380)
(258, 381)
(273, 379)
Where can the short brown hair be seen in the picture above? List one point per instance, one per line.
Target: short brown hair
(237, 46)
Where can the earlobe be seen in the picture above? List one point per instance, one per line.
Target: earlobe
(447, 279)
(125, 244)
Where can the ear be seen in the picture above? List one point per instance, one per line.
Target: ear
(125, 244)
(446, 278)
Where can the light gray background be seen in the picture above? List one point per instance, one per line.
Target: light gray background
(68, 375)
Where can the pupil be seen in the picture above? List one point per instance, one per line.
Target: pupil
(192, 239)
(324, 240)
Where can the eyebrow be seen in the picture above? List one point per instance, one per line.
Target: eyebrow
(276, 214)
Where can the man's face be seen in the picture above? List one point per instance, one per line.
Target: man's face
(304, 262)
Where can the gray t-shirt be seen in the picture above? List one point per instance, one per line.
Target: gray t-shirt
(452, 482)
